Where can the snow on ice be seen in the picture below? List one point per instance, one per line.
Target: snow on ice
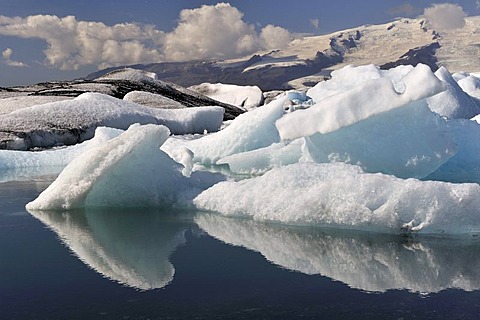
(247, 97)
(73, 121)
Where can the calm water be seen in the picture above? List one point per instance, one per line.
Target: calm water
(147, 264)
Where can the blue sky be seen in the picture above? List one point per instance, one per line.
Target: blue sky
(149, 30)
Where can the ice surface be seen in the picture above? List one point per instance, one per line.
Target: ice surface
(116, 174)
(130, 74)
(127, 171)
(152, 100)
(364, 261)
(10, 159)
(261, 160)
(343, 196)
(471, 85)
(374, 126)
(72, 121)
(452, 103)
(247, 97)
(130, 247)
(409, 142)
(346, 162)
(359, 103)
(464, 166)
(249, 131)
(11, 104)
(350, 77)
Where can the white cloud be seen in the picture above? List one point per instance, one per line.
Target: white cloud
(478, 4)
(315, 22)
(73, 43)
(208, 32)
(219, 32)
(445, 16)
(7, 54)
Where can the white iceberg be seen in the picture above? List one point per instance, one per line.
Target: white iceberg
(359, 103)
(452, 103)
(343, 196)
(374, 126)
(247, 97)
(350, 77)
(249, 131)
(128, 171)
(470, 83)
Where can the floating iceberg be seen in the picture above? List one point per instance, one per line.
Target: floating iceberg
(350, 77)
(247, 97)
(128, 171)
(343, 196)
(374, 126)
(249, 131)
(351, 161)
(73, 121)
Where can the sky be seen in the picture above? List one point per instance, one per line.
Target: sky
(66, 39)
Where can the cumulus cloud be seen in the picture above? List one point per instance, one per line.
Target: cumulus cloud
(7, 54)
(72, 43)
(315, 22)
(208, 32)
(445, 16)
(219, 32)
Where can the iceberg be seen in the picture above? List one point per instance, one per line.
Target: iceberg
(452, 103)
(374, 263)
(350, 77)
(12, 159)
(128, 171)
(372, 157)
(73, 121)
(261, 160)
(343, 196)
(247, 97)
(376, 127)
(249, 131)
(359, 103)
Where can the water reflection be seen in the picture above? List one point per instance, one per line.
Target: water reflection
(369, 262)
(130, 247)
(133, 248)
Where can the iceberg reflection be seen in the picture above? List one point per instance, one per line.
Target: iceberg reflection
(132, 248)
(370, 262)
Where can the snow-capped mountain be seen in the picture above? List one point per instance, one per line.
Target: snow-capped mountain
(309, 59)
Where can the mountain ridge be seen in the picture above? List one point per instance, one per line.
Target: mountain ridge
(310, 59)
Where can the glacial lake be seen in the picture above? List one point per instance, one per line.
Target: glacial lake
(167, 264)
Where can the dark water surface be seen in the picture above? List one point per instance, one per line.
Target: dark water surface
(153, 264)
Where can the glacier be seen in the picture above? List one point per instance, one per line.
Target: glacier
(367, 152)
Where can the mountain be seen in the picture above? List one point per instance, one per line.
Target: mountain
(310, 59)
